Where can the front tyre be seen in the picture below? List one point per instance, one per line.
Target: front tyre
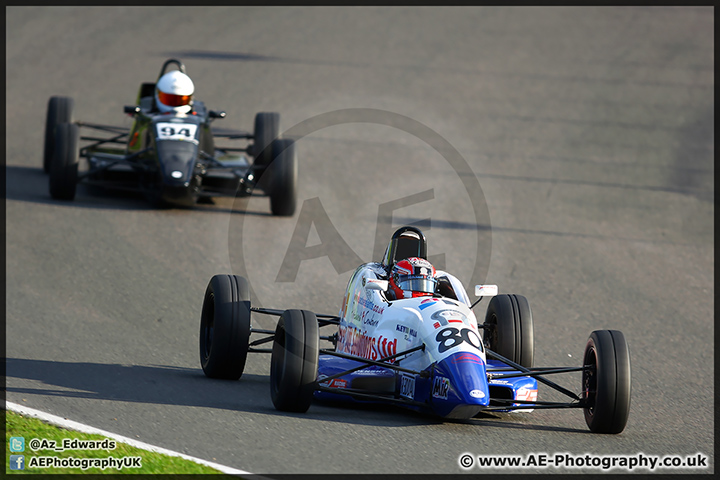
(510, 330)
(225, 327)
(59, 111)
(282, 178)
(64, 165)
(266, 129)
(606, 381)
(294, 362)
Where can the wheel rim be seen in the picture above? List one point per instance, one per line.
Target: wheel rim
(492, 337)
(589, 379)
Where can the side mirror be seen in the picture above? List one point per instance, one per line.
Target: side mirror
(375, 284)
(214, 114)
(131, 109)
(486, 290)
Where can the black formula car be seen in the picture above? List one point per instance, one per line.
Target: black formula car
(170, 157)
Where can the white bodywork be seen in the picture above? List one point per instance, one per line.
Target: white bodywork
(372, 327)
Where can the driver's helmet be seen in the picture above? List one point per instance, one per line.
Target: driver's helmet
(412, 277)
(173, 92)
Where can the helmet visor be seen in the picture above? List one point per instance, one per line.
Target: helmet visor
(416, 283)
(172, 100)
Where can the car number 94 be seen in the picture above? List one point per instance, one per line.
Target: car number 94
(176, 131)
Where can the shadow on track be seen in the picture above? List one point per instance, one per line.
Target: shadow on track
(167, 385)
(28, 184)
(456, 225)
(556, 77)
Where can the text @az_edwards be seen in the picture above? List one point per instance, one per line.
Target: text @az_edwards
(71, 444)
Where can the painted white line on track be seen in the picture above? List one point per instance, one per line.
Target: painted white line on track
(70, 425)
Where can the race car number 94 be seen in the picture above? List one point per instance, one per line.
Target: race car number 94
(174, 131)
(452, 337)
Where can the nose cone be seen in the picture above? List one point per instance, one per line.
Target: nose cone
(460, 388)
(177, 162)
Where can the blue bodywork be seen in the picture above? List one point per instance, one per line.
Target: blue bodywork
(456, 387)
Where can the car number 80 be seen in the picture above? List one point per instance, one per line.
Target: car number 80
(452, 337)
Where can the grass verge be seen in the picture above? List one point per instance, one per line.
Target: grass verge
(127, 459)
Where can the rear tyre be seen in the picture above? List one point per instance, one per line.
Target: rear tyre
(607, 383)
(511, 332)
(266, 129)
(59, 111)
(282, 178)
(225, 327)
(294, 362)
(64, 165)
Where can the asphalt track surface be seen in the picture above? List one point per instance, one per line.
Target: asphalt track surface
(589, 132)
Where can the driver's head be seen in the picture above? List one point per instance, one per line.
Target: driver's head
(412, 277)
(173, 92)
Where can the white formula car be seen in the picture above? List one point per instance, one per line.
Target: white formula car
(425, 351)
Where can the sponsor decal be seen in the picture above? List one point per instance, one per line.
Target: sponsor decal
(437, 325)
(407, 386)
(351, 340)
(370, 320)
(438, 319)
(500, 382)
(448, 315)
(375, 371)
(440, 389)
(527, 394)
(366, 281)
(335, 383)
(365, 303)
(467, 357)
(432, 301)
(428, 303)
(477, 394)
(486, 290)
(406, 330)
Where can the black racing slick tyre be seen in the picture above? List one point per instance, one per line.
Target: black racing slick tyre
(509, 329)
(266, 129)
(59, 111)
(225, 327)
(606, 381)
(282, 178)
(294, 362)
(64, 165)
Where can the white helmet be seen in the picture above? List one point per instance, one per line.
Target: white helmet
(174, 92)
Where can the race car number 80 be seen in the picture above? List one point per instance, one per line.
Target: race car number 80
(452, 337)
(175, 131)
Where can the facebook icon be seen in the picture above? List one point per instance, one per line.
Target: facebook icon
(17, 462)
